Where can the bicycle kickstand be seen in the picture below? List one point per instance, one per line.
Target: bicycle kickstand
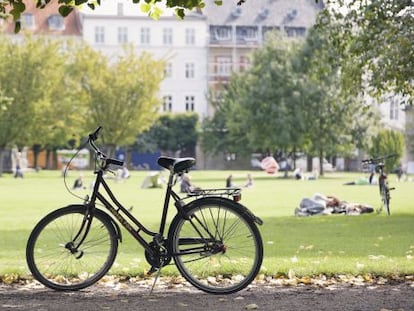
(155, 278)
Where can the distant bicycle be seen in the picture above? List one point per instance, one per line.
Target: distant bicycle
(213, 239)
(384, 188)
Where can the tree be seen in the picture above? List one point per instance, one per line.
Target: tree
(388, 142)
(174, 134)
(30, 100)
(260, 110)
(121, 96)
(409, 130)
(374, 42)
(290, 100)
(336, 118)
(216, 137)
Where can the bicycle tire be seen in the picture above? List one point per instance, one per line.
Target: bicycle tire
(385, 198)
(51, 261)
(223, 262)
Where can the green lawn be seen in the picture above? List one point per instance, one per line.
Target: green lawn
(335, 244)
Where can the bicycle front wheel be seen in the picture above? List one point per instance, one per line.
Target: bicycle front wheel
(219, 249)
(385, 198)
(62, 257)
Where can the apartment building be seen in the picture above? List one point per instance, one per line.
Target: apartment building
(182, 43)
(47, 21)
(236, 31)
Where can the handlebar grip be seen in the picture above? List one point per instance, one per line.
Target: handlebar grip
(94, 136)
(115, 162)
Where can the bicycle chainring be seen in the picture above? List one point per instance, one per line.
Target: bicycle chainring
(161, 257)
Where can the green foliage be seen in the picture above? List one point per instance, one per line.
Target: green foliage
(173, 133)
(409, 133)
(67, 92)
(374, 43)
(130, 105)
(33, 97)
(388, 142)
(337, 119)
(290, 100)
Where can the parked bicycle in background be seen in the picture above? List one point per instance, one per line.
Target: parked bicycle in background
(384, 189)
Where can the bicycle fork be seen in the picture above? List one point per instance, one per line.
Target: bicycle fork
(72, 246)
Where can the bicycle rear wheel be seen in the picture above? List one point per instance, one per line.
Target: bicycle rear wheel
(58, 261)
(385, 198)
(219, 250)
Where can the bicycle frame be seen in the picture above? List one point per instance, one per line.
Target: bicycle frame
(382, 179)
(125, 218)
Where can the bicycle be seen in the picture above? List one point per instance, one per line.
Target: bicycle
(213, 239)
(384, 188)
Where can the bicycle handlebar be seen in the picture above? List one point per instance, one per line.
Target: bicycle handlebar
(94, 136)
(102, 156)
(378, 160)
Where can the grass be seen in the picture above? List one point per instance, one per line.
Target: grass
(336, 244)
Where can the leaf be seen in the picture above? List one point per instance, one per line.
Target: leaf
(156, 13)
(17, 27)
(291, 274)
(65, 10)
(251, 306)
(145, 7)
(180, 13)
(218, 2)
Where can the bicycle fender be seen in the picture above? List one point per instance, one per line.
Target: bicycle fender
(103, 214)
(245, 211)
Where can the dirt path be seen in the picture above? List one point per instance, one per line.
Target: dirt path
(181, 297)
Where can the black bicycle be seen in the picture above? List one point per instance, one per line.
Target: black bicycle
(213, 239)
(384, 188)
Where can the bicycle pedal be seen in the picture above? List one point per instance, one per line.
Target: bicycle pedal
(152, 270)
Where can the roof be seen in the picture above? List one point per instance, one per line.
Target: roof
(294, 13)
(41, 18)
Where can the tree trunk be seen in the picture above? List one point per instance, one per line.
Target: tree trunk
(309, 164)
(1, 160)
(320, 162)
(36, 151)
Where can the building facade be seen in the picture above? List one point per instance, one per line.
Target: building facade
(236, 31)
(47, 21)
(181, 43)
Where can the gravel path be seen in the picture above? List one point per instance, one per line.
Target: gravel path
(135, 296)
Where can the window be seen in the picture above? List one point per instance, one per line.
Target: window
(55, 22)
(189, 36)
(223, 33)
(145, 36)
(27, 21)
(168, 71)
(189, 103)
(189, 70)
(120, 9)
(167, 103)
(223, 65)
(394, 109)
(167, 36)
(99, 34)
(295, 31)
(122, 35)
(250, 33)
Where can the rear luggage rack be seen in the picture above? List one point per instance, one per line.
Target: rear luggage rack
(235, 193)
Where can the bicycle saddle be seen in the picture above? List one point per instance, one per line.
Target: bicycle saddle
(177, 164)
